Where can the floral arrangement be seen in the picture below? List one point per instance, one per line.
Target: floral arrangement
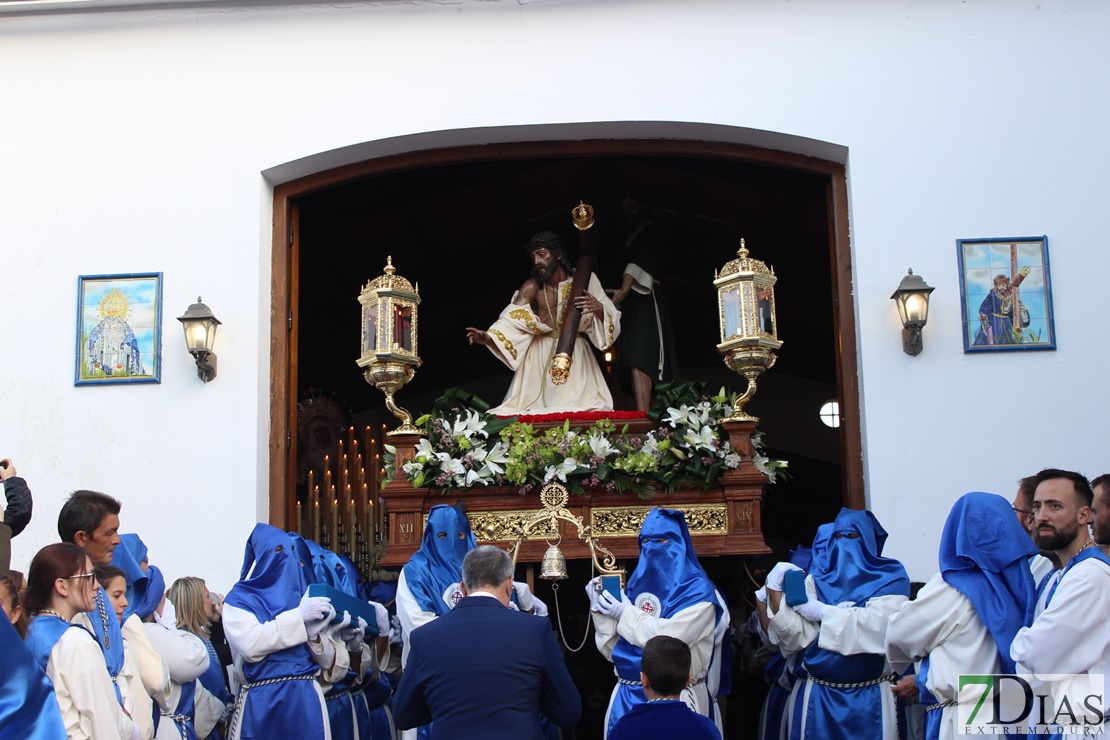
(465, 447)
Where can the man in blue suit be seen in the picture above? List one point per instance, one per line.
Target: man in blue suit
(483, 670)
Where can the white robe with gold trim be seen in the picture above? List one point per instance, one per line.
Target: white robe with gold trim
(527, 345)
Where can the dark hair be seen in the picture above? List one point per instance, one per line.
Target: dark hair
(1027, 486)
(544, 240)
(83, 511)
(1102, 480)
(106, 573)
(13, 596)
(486, 565)
(60, 560)
(1078, 481)
(666, 663)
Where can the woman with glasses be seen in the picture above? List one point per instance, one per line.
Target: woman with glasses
(61, 583)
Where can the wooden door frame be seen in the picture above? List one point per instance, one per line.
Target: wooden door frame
(283, 286)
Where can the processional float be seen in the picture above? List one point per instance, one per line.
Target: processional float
(599, 525)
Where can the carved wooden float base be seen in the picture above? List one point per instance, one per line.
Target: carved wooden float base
(723, 520)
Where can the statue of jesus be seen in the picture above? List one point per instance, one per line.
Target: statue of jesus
(526, 333)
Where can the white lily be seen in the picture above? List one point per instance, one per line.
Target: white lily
(651, 444)
(476, 475)
(600, 446)
(425, 451)
(677, 416)
(760, 462)
(700, 413)
(450, 465)
(561, 470)
(494, 458)
(469, 426)
(703, 440)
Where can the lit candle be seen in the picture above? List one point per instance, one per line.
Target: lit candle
(300, 522)
(334, 524)
(316, 520)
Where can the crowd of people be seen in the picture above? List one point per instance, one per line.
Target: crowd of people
(1023, 589)
(98, 646)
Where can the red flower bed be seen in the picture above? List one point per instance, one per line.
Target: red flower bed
(582, 416)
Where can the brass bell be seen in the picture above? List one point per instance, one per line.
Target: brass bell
(554, 565)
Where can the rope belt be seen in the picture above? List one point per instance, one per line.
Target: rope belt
(626, 682)
(338, 694)
(180, 720)
(244, 688)
(941, 705)
(888, 678)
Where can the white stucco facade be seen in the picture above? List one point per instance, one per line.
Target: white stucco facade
(150, 140)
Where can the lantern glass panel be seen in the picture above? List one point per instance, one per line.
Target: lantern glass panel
(402, 327)
(917, 308)
(730, 313)
(370, 328)
(200, 336)
(766, 304)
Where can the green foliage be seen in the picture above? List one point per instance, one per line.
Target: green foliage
(467, 447)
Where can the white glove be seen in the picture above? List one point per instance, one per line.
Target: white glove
(314, 607)
(774, 578)
(381, 617)
(395, 634)
(524, 597)
(316, 626)
(593, 591)
(606, 604)
(761, 595)
(811, 610)
(350, 634)
(540, 608)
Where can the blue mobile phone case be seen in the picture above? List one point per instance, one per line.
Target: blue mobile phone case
(612, 586)
(794, 587)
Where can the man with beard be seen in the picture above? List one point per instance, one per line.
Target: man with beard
(1068, 634)
(1100, 511)
(996, 313)
(1045, 562)
(526, 333)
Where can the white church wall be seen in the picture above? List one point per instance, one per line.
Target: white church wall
(137, 141)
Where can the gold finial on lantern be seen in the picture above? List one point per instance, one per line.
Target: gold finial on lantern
(390, 338)
(749, 327)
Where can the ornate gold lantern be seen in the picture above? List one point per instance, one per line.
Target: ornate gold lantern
(749, 329)
(389, 338)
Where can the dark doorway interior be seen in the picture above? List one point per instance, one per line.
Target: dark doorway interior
(458, 231)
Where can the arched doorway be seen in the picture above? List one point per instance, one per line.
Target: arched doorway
(453, 218)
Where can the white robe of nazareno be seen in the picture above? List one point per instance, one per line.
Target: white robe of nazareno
(1040, 566)
(526, 345)
(409, 614)
(251, 641)
(90, 710)
(941, 623)
(146, 674)
(187, 659)
(695, 625)
(1070, 634)
(847, 631)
